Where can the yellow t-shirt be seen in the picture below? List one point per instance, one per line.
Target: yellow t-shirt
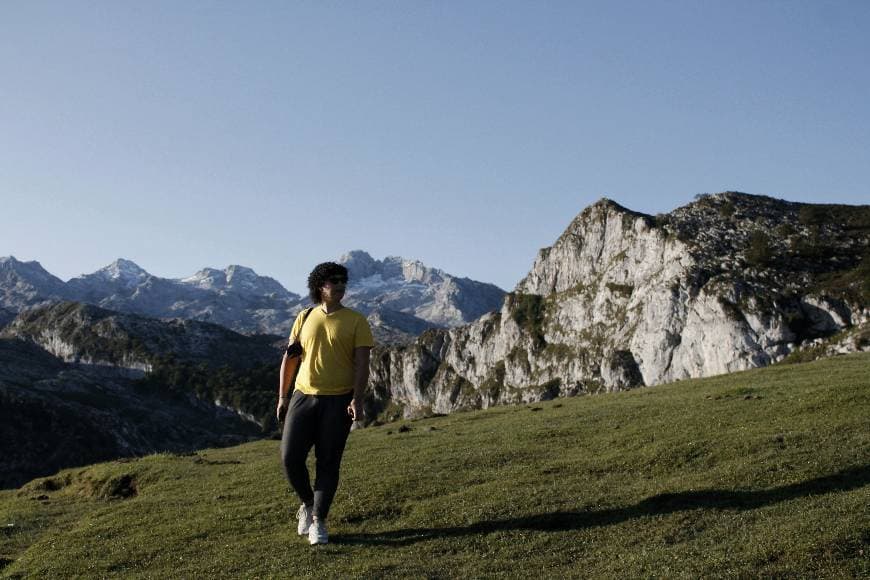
(328, 341)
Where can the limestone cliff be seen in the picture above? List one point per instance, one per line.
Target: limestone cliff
(622, 299)
(83, 333)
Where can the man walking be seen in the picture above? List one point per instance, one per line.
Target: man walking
(332, 374)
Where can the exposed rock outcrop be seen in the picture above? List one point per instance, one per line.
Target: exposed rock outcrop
(87, 334)
(622, 299)
(407, 296)
(26, 284)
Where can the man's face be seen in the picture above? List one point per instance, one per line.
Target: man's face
(334, 287)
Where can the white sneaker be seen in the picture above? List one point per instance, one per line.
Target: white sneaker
(304, 516)
(317, 533)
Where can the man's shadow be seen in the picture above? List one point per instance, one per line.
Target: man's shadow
(663, 504)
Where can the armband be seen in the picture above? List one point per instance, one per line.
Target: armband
(293, 349)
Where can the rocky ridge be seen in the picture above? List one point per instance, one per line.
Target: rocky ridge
(86, 334)
(622, 299)
(25, 284)
(79, 384)
(55, 414)
(237, 297)
(401, 297)
(411, 297)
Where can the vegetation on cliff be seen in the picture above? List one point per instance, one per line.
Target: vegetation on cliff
(252, 391)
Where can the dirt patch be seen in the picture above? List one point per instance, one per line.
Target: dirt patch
(10, 529)
(48, 484)
(117, 487)
(200, 459)
(123, 487)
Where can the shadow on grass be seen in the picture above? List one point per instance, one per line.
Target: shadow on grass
(662, 504)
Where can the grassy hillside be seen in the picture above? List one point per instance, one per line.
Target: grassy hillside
(765, 472)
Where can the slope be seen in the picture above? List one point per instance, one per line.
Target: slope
(763, 472)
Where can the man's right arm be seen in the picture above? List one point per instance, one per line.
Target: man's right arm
(288, 369)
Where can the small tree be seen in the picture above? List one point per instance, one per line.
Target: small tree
(813, 215)
(759, 252)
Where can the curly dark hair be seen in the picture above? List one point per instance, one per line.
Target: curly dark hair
(318, 277)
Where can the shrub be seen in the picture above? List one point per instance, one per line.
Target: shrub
(853, 284)
(249, 390)
(731, 310)
(813, 215)
(624, 289)
(494, 382)
(527, 310)
(785, 230)
(759, 252)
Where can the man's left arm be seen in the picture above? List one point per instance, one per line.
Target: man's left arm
(361, 357)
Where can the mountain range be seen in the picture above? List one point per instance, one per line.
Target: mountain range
(401, 297)
(620, 300)
(121, 362)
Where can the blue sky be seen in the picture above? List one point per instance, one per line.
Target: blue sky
(465, 134)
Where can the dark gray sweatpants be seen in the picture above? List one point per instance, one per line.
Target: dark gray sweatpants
(322, 422)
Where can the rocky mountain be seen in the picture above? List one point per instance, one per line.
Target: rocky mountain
(401, 297)
(427, 297)
(25, 284)
(55, 414)
(236, 297)
(83, 333)
(238, 280)
(622, 299)
(80, 384)
(121, 276)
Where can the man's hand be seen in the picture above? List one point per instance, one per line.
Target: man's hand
(355, 410)
(281, 411)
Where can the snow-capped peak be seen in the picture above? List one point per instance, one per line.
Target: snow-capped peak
(124, 271)
(206, 274)
(241, 273)
(363, 269)
(237, 279)
(360, 265)
(412, 288)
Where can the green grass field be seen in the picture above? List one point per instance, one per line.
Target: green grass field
(761, 473)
